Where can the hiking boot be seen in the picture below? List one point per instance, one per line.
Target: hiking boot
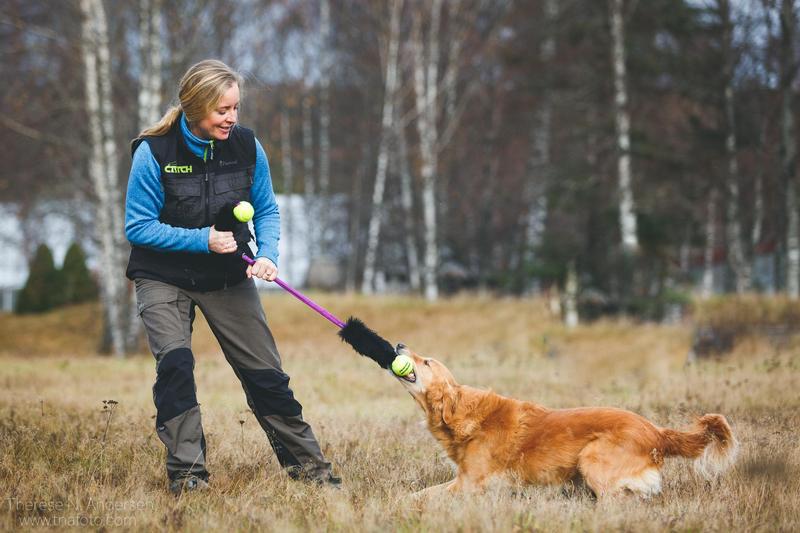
(187, 484)
(331, 481)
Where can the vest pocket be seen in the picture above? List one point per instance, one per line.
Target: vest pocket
(233, 182)
(183, 201)
(230, 187)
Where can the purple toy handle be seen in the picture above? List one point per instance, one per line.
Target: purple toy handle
(300, 296)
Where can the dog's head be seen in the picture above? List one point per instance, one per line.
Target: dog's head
(431, 385)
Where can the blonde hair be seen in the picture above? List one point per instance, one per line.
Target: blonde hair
(198, 93)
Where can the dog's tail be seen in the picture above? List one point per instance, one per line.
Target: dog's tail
(710, 442)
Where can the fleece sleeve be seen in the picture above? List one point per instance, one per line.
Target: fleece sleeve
(267, 219)
(143, 204)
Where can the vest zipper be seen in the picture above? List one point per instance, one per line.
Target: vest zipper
(208, 193)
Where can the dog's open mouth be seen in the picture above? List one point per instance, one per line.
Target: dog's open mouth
(411, 377)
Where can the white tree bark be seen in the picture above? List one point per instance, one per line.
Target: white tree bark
(711, 243)
(103, 168)
(571, 318)
(792, 242)
(149, 98)
(324, 121)
(426, 76)
(288, 187)
(151, 48)
(758, 211)
(789, 148)
(308, 179)
(436, 122)
(627, 208)
(407, 201)
(736, 253)
(387, 133)
(324, 99)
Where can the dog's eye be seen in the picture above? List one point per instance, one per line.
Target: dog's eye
(427, 362)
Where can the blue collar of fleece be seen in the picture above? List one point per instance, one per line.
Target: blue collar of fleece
(200, 147)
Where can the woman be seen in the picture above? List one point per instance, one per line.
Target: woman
(185, 168)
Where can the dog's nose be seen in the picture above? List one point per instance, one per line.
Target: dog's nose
(400, 346)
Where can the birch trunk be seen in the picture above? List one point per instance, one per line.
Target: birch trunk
(288, 187)
(789, 148)
(356, 204)
(426, 88)
(792, 242)
(736, 253)
(627, 209)
(150, 24)
(102, 168)
(308, 178)
(571, 318)
(407, 201)
(387, 133)
(324, 123)
(758, 210)
(149, 98)
(711, 243)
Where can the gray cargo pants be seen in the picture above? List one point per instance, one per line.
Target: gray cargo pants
(238, 322)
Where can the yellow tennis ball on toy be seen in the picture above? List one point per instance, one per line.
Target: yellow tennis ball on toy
(402, 365)
(243, 211)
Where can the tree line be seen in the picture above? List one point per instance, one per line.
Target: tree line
(627, 150)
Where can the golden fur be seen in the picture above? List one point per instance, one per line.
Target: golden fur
(610, 450)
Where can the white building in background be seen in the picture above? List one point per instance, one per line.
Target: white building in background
(60, 223)
(55, 223)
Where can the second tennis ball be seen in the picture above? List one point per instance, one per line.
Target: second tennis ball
(243, 211)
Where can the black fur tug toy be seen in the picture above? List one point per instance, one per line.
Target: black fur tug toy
(354, 332)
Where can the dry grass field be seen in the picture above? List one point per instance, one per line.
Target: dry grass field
(69, 459)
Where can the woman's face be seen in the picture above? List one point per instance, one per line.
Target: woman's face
(218, 123)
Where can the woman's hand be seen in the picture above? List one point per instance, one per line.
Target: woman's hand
(263, 269)
(221, 242)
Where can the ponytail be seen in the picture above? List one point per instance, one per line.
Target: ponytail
(165, 124)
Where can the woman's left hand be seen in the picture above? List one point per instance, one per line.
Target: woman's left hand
(263, 269)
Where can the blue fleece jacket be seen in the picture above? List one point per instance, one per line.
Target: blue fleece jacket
(146, 198)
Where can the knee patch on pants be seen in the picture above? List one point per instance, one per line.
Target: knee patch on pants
(174, 391)
(270, 392)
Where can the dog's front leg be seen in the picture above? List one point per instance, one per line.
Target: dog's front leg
(457, 485)
(435, 490)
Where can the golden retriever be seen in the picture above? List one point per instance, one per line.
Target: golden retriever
(609, 450)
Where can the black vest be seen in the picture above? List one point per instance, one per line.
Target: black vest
(194, 192)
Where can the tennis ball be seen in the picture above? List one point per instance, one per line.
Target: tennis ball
(402, 365)
(243, 211)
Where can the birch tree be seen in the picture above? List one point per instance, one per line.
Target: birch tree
(103, 169)
(426, 84)
(407, 202)
(736, 253)
(308, 177)
(707, 287)
(789, 146)
(387, 134)
(436, 121)
(151, 48)
(324, 120)
(151, 45)
(627, 208)
(288, 187)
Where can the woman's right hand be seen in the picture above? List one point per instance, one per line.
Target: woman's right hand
(221, 242)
